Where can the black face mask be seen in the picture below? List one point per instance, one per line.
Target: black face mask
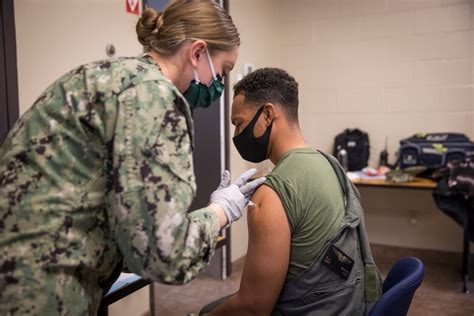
(249, 147)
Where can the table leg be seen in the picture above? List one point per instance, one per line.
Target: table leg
(465, 261)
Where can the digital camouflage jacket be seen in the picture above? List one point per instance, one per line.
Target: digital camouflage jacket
(99, 169)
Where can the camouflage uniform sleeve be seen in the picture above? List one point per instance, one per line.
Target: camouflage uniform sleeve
(154, 185)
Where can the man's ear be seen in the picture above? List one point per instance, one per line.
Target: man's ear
(269, 112)
(196, 49)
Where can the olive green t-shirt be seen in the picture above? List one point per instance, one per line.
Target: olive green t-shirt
(313, 200)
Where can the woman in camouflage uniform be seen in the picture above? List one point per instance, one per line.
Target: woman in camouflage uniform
(100, 169)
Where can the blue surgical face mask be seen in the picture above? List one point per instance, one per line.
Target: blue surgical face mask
(201, 95)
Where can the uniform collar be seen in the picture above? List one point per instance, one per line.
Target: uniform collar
(148, 59)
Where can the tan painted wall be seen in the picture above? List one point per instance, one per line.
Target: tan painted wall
(389, 67)
(54, 36)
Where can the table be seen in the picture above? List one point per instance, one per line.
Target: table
(421, 184)
(416, 184)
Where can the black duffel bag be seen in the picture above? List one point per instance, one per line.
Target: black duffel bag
(434, 150)
(356, 144)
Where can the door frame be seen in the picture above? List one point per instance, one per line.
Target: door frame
(9, 107)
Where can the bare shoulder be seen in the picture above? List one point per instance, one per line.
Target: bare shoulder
(268, 208)
(265, 194)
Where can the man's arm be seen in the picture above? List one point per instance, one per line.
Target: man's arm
(267, 259)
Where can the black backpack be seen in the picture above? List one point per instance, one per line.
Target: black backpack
(356, 144)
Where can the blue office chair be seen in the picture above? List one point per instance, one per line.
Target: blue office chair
(399, 287)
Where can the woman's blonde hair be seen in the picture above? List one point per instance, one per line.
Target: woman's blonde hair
(182, 20)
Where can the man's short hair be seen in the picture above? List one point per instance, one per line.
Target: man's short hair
(272, 85)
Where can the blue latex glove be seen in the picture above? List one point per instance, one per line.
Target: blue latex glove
(233, 197)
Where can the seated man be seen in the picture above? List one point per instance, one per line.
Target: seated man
(307, 250)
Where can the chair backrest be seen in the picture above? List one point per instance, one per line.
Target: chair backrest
(399, 287)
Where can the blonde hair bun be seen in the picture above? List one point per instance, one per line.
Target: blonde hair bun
(148, 26)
